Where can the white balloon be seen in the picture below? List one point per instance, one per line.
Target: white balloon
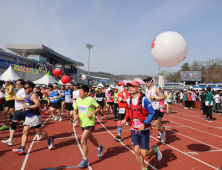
(169, 49)
(83, 77)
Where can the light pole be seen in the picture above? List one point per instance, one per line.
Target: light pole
(89, 46)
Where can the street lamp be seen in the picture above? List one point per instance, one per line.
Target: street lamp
(89, 46)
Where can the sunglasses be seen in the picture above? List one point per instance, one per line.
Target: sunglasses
(26, 86)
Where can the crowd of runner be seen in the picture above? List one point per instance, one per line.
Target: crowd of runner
(128, 104)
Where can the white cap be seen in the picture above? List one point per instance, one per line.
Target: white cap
(68, 84)
(7, 79)
(43, 85)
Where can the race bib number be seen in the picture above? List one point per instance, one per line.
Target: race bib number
(27, 105)
(120, 98)
(51, 99)
(136, 123)
(39, 97)
(63, 94)
(68, 100)
(122, 111)
(6, 95)
(83, 108)
(99, 99)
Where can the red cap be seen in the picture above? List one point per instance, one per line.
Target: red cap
(134, 83)
(120, 83)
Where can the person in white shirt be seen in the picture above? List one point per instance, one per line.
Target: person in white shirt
(217, 100)
(75, 96)
(19, 114)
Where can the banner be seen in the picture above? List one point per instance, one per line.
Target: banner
(28, 70)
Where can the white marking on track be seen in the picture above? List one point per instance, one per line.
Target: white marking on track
(124, 144)
(204, 151)
(74, 130)
(30, 147)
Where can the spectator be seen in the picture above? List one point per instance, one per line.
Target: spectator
(38, 66)
(202, 98)
(185, 99)
(193, 98)
(217, 100)
(189, 99)
(209, 104)
(8, 62)
(28, 64)
(181, 96)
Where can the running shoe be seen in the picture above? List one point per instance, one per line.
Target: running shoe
(53, 117)
(118, 138)
(167, 113)
(157, 153)
(83, 163)
(71, 121)
(19, 151)
(159, 136)
(209, 120)
(38, 136)
(23, 122)
(115, 119)
(170, 110)
(50, 143)
(4, 127)
(163, 137)
(205, 119)
(62, 113)
(8, 142)
(60, 119)
(100, 151)
(56, 118)
(127, 124)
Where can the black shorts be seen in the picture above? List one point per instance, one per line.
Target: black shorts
(56, 105)
(101, 104)
(1, 107)
(110, 103)
(69, 106)
(9, 104)
(169, 102)
(50, 104)
(121, 116)
(88, 128)
(158, 115)
(45, 101)
(62, 100)
(19, 115)
(35, 127)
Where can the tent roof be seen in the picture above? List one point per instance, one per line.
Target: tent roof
(10, 73)
(47, 79)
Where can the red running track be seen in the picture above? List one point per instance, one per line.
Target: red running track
(191, 144)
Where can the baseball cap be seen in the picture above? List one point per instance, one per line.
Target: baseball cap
(7, 79)
(68, 84)
(43, 85)
(148, 79)
(120, 83)
(134, 83)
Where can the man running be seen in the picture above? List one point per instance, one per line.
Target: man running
(45, 95)
(75, 96)
(154, 95)
(56, 102)
(33, 118)
(63, 102)
(50, 100)
(84, 109)
(101, 99)
(123, 95)
(19, 114)
(68, 101)
(139, 108)
(9, 105)
(115, 103)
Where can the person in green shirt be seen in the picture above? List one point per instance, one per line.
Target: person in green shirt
(85, 109)
(209, 104)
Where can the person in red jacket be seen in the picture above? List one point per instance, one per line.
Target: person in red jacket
(189, 99)
(123, 95)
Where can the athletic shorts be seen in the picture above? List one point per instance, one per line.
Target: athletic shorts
(88, 128)
(101, 104)
(110, 103)
(56, 105)
(141, 138)
(121, 116)
(169, 102)
(19, 115)
(50, 104)
(9, 104)
(34, 121)
(45, 101)
(1, 107)
(62, 100)
(69, 106)
(158, 115)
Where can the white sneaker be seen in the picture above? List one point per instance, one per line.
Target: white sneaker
(38, 136)
(56, 118)
(163, 137)
(127, 124)
(50, 143)
(76, 123)
(62, 113)
(60, 119)
(8, 142)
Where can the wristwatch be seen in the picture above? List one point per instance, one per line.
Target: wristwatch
(154, 98)
(144, 124)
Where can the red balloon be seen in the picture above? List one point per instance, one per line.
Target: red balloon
(65, 79)
(57, 72)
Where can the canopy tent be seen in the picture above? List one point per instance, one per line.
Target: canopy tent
(10, 73)
(47, 79)
(100, 85)
(197, 87)
(216, 88)
(102, 80)
(60, 82)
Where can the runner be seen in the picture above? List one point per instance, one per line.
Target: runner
(45, 95)
(50, 100)
(9, 105)
(75, 95)
(154, 95)
(139, 108)
(39, 93)
(56, 106)
(33, 118)
(101, 99)
(109, 100)
(63, 102)
(123, 95)
(19, 114)
(68, 101)
(84, 109)
(169, 102)
(115, 103)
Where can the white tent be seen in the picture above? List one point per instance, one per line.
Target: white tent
(100, 85)
(47, 79)
(60, 82)
(10, 73)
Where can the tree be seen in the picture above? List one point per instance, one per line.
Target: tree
(185, 67)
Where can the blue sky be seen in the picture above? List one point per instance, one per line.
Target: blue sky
(121, 31)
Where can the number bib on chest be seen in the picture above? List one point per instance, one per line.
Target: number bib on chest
(83, 108)
(99, 99)
(67, 99)
(136, 123)
(122, 111)
(51, 99)
(6, 95)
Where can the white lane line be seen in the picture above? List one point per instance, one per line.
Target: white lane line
(187, 154)
(194, 139)
(74, 130)
(30, 147)
(124, 144)
(194, 121)
(204, 151)
(194, 128)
